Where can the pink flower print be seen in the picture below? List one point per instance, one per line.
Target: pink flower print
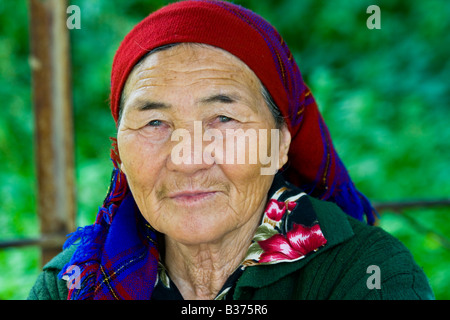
(276, 209)
(298, 242)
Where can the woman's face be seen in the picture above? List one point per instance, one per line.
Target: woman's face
(173, 99)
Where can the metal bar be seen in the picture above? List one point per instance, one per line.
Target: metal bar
(52, 99)
(401, 205)
(19, 243)
(51, 242)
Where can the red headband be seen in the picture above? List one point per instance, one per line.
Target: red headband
(200, 22)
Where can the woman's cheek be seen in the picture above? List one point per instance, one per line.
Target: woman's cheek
(141, 154)
(156, 134)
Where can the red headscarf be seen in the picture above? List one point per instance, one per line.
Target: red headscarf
(313, 162)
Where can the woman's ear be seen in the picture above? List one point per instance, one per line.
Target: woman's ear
(114, 154)
(122, 168)
(285, 143)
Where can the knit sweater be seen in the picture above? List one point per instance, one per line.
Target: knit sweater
(358, 262)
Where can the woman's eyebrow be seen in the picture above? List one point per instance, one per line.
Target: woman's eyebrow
(222, 98)
(154, 105)
(151, 105)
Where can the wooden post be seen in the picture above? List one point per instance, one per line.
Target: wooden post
(52, 99)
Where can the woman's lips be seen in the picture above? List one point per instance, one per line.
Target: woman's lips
(191, 197)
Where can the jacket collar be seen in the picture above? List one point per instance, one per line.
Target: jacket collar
(321, 222)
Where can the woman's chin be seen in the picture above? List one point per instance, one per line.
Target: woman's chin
(192, 228)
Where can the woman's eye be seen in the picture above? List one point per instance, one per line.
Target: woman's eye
(155, 123)
(224, 119)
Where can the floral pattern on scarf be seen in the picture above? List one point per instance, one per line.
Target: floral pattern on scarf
(289, 229)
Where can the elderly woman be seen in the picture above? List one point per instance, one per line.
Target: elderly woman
(184, 218)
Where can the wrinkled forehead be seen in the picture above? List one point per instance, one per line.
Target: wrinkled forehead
(191, 62)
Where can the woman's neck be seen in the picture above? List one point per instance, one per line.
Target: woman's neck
(199, 271)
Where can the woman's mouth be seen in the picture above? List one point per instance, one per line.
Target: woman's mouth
(191, 197)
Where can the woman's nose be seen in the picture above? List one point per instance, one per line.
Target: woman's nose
(187, 153)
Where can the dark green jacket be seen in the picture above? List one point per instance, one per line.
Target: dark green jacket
(356, 261)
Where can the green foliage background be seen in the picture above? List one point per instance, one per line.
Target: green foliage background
(384, 94)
